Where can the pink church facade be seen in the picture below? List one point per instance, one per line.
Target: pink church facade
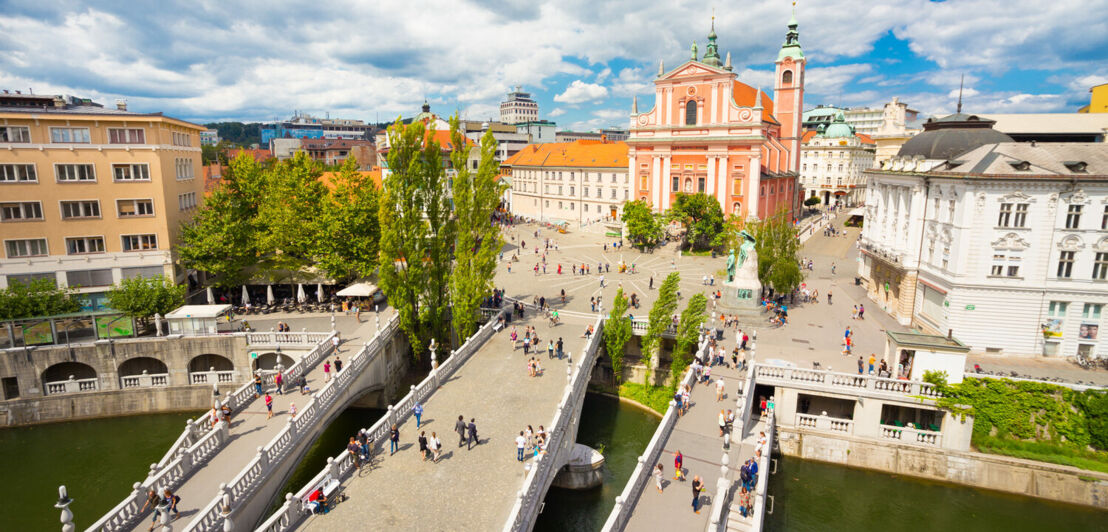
(710, 133)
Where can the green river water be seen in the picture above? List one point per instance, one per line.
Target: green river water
(98, 460)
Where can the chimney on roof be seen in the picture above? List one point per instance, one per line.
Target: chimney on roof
(121, 104)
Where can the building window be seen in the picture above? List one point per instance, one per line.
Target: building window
(700, 184)
(25, 173)
(184, 169)
(613, 177)
(89, 278)
(1065, 264)
(1100, 267)
(559, 189)
(69, 135)
(571, 205)
(950, 211)
(787, 77)
(1005, 266)
(737, 187)
(560, 205)
(676, 185)
(946, 256)
(1073, 216)
(35, 247)
(613, 196)
(15, 134)
(763, 193)
(131, 172)
(1057, 309)
(625, 194)
(75, 172)
(1104, 219)
(690, 113)
(181, 139)
(186, 201)
(571, 190)
(139, 242)
(84, 245)
(80, 209)
(131, 208)
(126, 136)
(1092, 311)
(1021, 216)
(22, 211)
(1005, 219)
(586, 194)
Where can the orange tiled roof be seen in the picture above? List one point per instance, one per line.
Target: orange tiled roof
(580, 153)
(866, 139)
(328, 177)
(808, 136)
(745, 95)
(442, 136)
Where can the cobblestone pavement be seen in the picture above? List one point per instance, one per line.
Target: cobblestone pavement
(696, 435)
(470, 489)
(249, 427)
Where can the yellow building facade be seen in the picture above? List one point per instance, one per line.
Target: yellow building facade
(1098, 101)
(91, 195)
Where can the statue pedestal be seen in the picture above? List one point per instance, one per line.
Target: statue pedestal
(742, 294)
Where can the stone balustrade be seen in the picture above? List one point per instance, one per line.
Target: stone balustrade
(639, 327)
(212, 377)
(761, 487)
(823, 422)
(71, 385)
(912, 435)
(145, 380)
(625, 502)
(339, 467)
(848, 382)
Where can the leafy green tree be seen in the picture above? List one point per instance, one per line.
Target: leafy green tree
(643, 226)
(661, 317)
(778, 251)
(416, 235)
(617, 332)
(142, 297)
(812, 201)
(238, 133)
(347, 227)
(220, 239)
(688, 333)
(40, 297)
(476, 197)
(702, 217)
(291, 195)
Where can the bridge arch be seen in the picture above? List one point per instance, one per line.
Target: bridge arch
(269, 361)
(63, 370)
(208, 361)
(135, 366)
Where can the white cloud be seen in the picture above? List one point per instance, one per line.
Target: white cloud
(633, 82)
(831, 80)
(603, 75)
(759, 78)
(556, 112)
(581, 92)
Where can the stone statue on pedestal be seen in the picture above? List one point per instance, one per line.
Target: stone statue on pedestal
(743, 286)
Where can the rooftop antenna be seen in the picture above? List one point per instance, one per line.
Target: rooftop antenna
(960, 84)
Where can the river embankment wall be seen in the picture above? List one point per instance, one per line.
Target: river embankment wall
(985, 471)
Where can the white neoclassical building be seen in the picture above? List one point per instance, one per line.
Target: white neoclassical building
(1005, 244)
(833, 160)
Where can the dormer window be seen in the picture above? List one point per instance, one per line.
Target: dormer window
(1076, 166)
(1022, 166)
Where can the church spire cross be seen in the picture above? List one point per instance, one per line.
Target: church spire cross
(711, 55)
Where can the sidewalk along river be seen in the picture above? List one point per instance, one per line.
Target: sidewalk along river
(817, 496)
(623, 431)
(97, 460)
(333, 440)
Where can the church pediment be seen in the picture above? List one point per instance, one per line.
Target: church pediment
(693, 69)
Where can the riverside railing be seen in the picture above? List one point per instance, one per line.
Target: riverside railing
(144, 380)
(761, 488)
(744, 405)
(625, 502)
(72, 385)
(272, 455)
(201, 439)
(845, 381)
(339, 467)
(546, 464)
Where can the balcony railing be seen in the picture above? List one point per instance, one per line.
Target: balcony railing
(828, 423)
(72, 386)
(912, 435)
(145, 380)
(845, 381)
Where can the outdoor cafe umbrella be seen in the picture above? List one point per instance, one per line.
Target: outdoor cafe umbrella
(269, 294)
(245, 296)
(319, 292)
(300, 295)
(211, 296)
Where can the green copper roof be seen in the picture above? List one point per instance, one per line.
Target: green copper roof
(838, 128)
(791, 48)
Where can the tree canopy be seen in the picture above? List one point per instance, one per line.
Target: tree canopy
(617, 332)
(661, 316)
(40, 297)
(142, 297)
(778, 251)
(688, 333)
(643, 226)
(702, 217)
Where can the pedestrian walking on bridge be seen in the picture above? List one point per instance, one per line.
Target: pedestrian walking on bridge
(460, 428)
(472, 428)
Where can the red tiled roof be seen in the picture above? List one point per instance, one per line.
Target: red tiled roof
(745, 95)
(581, 153)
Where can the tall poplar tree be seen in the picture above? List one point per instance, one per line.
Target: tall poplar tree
(617, 332)
(688, 332)
(476, 197)
(661, 316)
(348, 226)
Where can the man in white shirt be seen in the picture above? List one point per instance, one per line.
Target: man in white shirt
(720, 385)
(521, 443)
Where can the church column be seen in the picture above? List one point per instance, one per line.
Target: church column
(753, 185)
(658, 183)
(710, 186)
(699, 113)
(723, 182)
(665, 182)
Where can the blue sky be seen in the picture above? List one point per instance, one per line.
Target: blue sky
(209, 60)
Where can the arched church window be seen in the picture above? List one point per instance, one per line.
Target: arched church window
(690, 113)
(787, 77)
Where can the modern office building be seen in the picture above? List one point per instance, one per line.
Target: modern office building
(965, 226)
(303, 125)
(92, 195)
(209, 137)
(538, 131)
(710, 133)
(519, 108)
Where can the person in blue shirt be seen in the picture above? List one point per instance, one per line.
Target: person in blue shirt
(417, 410)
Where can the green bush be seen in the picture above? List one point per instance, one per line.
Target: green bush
(656, 398)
